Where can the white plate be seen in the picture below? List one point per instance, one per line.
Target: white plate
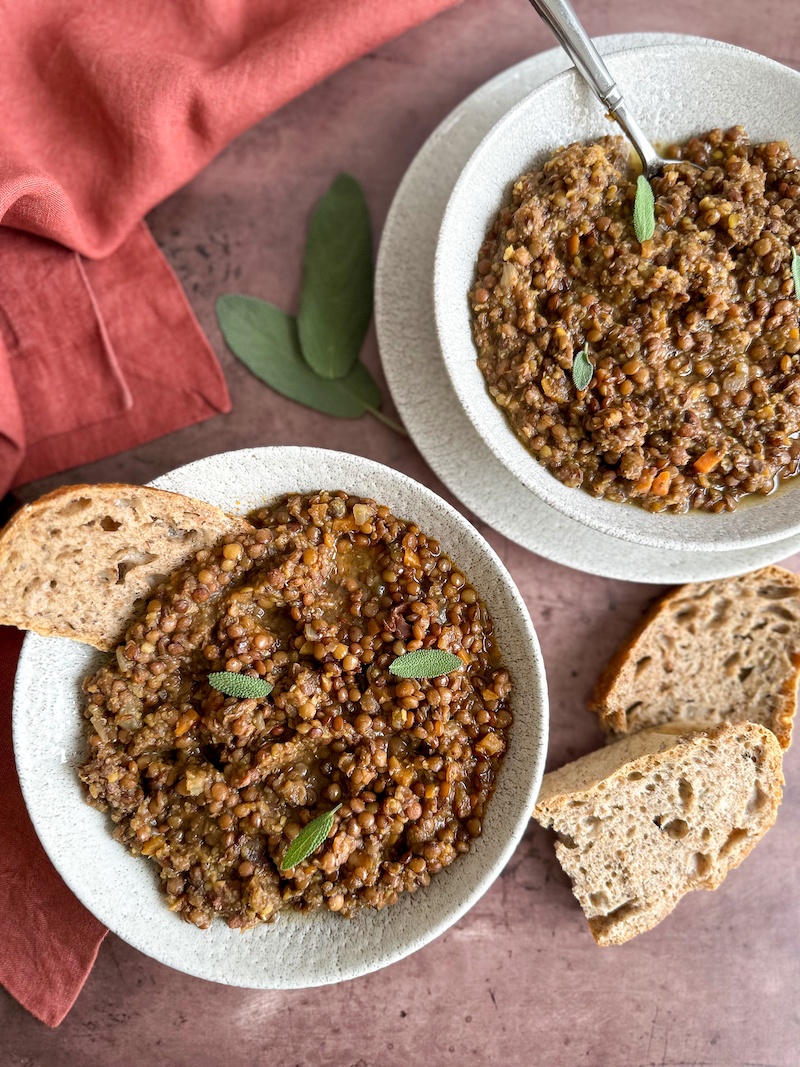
(421, 387)
(297, 951)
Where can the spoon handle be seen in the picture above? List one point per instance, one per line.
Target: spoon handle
(570, 34)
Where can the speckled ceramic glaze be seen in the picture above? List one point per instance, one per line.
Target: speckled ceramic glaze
(421, 387)
(675, 91)
(297, 951)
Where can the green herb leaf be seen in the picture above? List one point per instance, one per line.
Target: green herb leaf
(265, 339)
(336, 298)
(425, 663)
(796, 272)
(309, 839)
(239, 685)
(644, 210)
(582, 369)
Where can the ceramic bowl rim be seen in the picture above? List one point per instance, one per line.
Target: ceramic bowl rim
(523, 790)
(596, 513)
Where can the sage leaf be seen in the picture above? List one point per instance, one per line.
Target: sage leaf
(796, 273)
(336, 296)
(644, 210)
(582, 369)
(425, 663)
(309, 839)
(239, 685)
(265, 339)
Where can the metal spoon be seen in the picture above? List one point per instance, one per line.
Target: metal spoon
(570, 34)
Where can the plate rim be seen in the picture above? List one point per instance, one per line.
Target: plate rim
(702, 529)
(663, 566)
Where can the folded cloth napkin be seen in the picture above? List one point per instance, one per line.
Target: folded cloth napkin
(107, 109)
(48, 940)
(95, 356)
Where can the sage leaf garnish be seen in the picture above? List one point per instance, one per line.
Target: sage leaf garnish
(241, 686)
(336, 297)
(582, 369)
(796, 272)
(265, 340)
(309, 839)
(644, 210)
(425, 663)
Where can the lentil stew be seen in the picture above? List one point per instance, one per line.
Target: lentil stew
(694, 336)
(318, 600)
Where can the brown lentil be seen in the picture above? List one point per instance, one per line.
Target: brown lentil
(213, 789)
(695, 340)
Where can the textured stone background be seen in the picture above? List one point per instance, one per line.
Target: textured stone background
(519, 979)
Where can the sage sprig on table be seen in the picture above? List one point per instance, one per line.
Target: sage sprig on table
(241, 686)
(309, 839)
(336, 298)
(266, 340)
(313, 359)
(644, 210)
(425, 663)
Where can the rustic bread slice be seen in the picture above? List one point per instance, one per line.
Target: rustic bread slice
(716, 651)
(646, 819)
(77, 562)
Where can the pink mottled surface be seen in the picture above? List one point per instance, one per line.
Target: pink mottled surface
(519, 979)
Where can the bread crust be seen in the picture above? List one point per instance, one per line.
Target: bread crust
(597, 783)
(76, 562)
(609, 704)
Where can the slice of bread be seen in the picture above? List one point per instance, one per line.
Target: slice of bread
(716, 651)
(78, 562)
(646, 819)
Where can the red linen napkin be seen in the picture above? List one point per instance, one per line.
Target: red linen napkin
(107, 108)
(48, 940)
(95, 356)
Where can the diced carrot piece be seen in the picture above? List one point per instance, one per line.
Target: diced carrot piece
(410, 558)
(186, 722)
(708, 461)
(660, 486)
(646, 480)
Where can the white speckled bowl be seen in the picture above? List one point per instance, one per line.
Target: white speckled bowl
(297, 951)
(675, 91)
